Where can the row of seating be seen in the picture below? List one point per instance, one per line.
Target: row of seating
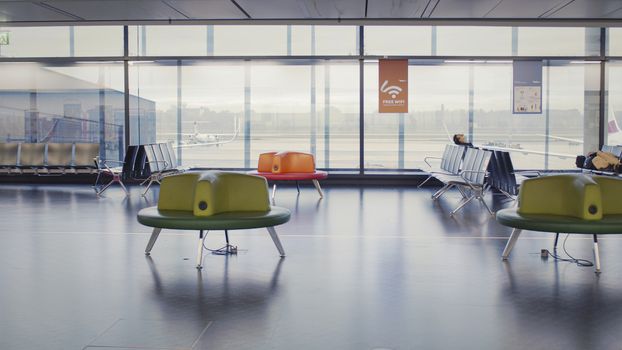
(502, 175)
(466, 169)
(147, 163)
(48, 158)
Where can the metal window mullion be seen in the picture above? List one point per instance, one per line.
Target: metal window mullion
(361, 101)
(126, 86)
(602, 116)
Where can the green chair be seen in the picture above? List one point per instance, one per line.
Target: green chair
(213, 200)
(574, 204)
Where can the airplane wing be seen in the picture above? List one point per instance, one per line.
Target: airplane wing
(527, 151)
(561, 138)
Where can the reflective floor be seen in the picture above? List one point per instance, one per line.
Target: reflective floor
(366, 268)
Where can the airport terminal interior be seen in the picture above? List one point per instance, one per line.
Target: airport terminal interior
(310, 174)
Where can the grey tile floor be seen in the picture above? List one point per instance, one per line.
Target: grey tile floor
(366, 268)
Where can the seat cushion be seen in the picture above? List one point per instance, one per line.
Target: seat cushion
(317, 175)
(185, 220)
(609, 224)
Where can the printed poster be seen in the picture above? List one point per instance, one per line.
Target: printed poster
(393, 86)
(527, 92)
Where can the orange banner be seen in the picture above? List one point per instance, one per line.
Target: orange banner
(393, 86)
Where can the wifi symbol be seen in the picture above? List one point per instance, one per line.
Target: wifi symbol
(391, 90)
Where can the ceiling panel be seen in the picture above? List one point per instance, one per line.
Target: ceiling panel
(463, 9)
(527, 8)
(117, 9)
(213, 9)
(591, 9)
(26, 11)
(396, 8)
(259, 9)
(138, 10)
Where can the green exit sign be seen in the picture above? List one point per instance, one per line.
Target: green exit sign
(4, 38)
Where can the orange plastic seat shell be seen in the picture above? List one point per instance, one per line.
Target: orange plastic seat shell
(292, 162)
(265, 162)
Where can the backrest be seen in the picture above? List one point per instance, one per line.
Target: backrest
(151, 160)
(32, 154)
(446, 156)
(141, 167)
(163, 164)
(129, 162)
(213, 192)
(512, 187)
(220, 192)
(165, 156)
(84, 153)
(475, 165)
(8, 154)
(172, 155)
(177, 192)
(60, 154)
(455, 159)
(265, 162)
(574, 195)
(293, 162)
(495, 168)
(610, 193)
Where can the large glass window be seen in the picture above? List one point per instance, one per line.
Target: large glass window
(63, 103)
(613, 133)
(61, 41)
(540, 41)
(398, 40)
(474, 41)
(222, 112)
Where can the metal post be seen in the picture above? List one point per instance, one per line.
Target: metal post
(313, 116)
(179, 112)
(327, 114)
(247, 114)
(602, 115)
(471, 102)
(547, 130)
(361, 102)
(126, 86)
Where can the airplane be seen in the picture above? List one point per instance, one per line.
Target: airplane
(198, 139)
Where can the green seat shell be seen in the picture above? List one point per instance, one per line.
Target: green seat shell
(185, 220)
(609, 224)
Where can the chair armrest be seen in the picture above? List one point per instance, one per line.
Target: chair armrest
(426, 160)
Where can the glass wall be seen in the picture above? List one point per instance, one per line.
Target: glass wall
(63, 103)
(222, 94)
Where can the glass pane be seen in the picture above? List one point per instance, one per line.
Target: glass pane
(36, 42)
(232, 40)
(539, 41)
(212, 115)
(98, 41)
(173, 40)
(78, 103)
(475, 41)
(398, 40)
(613, 134)
(614, 41)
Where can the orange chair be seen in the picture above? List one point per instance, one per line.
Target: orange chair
(289, 166)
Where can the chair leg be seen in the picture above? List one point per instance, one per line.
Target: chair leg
(316, 183)
(297, 186)
(464, 202)
(152, 240)
(200, 249)
(511, 242)
(273, 192)
(596, 255)
(103, 189)
(440, 192)
(556, 240)
(424, 181)
(276, 240)
(127, 193)
(481, 199)
(148, 187)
